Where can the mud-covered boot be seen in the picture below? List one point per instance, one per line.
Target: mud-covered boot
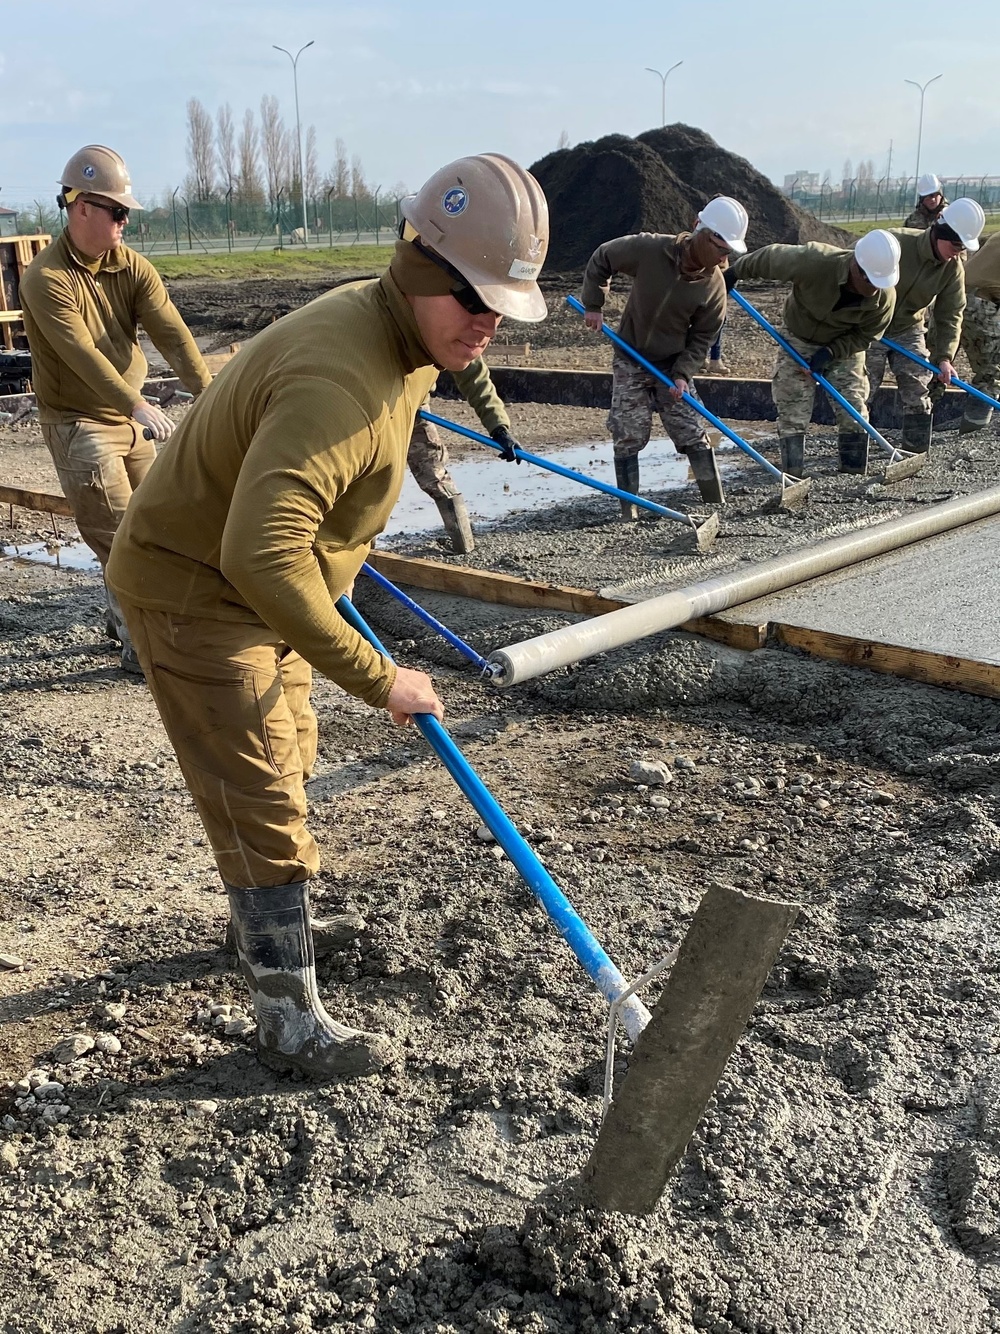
(917, 427)
(977, 417)
(793, 448)
(627, 479)
(455, 518)
(330, 934)
(718, 367)
(853, 449)
(705, 467)
(275, 949)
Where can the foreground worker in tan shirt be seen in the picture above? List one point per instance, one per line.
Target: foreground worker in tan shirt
(84, 297)
(674, 313)
(260, 515)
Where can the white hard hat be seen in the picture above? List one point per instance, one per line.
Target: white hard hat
(877, 253)
(928, 185)
(728, 219)
(966, 219)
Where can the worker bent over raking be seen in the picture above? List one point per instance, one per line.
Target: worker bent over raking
(257, 519)
(674, 313)
(839, 304)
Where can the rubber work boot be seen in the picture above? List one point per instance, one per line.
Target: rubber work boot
(718, 368)
(275, 950)
(793, 453)
(853, 449)
(917, 427)
(330, 934)
(705, 467)
(627, 479)
(976, 418)
(455, 518)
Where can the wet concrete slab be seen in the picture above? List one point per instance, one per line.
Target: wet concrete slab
(941, 595)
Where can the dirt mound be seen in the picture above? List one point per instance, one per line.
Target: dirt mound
(657, 183)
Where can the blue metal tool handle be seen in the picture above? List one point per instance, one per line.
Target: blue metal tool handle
(929, 366)
(573, 928)
(691, 401)
(485, 667)
(549, 466)
(821, 380)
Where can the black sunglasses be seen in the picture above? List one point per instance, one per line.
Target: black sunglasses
(467, 297)
(119, 213)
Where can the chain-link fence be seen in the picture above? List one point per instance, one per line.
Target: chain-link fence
(891, 199)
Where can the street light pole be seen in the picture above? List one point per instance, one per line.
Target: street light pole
(663, 88)
(920, 127)
(298, 134)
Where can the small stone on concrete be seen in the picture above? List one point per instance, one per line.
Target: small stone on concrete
(201, 1109)
(484, 834)
(13, 963)
(108, 1044)
(70, 1048)
(653, 773)
(8, 1158)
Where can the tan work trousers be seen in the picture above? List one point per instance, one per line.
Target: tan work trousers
(234, 700)
(99, 467)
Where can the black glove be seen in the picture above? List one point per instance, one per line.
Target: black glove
(820, 359)
(507, 444)
(731, 279)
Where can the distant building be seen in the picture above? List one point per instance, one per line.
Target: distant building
(801, 182)
(8, 222)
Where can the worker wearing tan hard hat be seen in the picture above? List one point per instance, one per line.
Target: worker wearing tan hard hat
(83, 297)
(258, 518)
(452, 208)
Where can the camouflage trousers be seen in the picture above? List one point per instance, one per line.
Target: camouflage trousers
(427, 459)
(794, 391)
(912, 381)
(635, 394)
(981, 344)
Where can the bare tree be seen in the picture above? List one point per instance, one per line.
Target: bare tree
(827, 178)
(848, 174)
(273, 142)
(312, 164)
(251, 190)
(563, 140)
(200, 151)
(341, 176)
(359, 188)
(225, 145)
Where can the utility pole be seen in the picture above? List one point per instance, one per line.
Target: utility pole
(663, 88)
(920, 127)
(298, 134)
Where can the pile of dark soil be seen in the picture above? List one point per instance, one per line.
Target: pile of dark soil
(657, 183)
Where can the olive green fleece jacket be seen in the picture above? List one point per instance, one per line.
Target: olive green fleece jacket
(982, 270)
(923, 279)
(81, 317)
(818, 273)
(266, 500)
(476, 387)
(671, 319)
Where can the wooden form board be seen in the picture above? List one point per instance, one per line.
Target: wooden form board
(16, 253)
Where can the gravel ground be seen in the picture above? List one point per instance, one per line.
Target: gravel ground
(153, 1176)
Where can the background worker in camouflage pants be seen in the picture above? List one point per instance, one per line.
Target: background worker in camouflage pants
(840, 301)
(930, 269)
(427, 457)
(981, 332)
(674, 313)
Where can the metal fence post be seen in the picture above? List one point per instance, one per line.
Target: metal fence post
(329, 212)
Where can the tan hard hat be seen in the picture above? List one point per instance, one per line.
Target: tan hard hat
(96, 170)
(488, 218)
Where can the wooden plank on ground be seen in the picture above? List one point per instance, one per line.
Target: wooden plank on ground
(936, 669)
(44, 501)
(511, 591)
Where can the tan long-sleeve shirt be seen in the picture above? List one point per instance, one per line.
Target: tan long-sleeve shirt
(81, 317)
(671, 319)
(264, 503)
(982, 271)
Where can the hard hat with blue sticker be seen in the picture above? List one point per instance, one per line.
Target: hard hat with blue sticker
(455, 201)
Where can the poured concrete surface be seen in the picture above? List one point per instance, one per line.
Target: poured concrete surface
(941, 595)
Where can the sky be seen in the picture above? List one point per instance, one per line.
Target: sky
(410, 87)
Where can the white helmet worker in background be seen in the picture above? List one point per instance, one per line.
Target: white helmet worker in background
(930, 202)
(877, 254)
(728, 219)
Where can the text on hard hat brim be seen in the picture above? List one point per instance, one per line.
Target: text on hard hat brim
(517, 301)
